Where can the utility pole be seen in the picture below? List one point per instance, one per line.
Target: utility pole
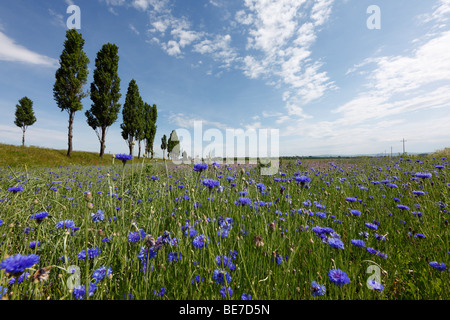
(403, 145)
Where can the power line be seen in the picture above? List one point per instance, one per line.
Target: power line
(404, 145)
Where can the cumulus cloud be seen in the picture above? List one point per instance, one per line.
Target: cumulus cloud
(11, 51)
(280, 37)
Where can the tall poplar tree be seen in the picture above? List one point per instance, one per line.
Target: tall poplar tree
(140, 125)
(105, 93)
(151, 115)
(163, 144)
(71, 76)
(131, 114)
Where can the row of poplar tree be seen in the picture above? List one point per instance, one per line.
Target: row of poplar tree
(139, 117)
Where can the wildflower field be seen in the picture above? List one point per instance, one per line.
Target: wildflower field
(372, 228)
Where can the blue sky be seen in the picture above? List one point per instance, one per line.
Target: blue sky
(310, 69)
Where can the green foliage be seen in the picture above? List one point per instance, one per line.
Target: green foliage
(71, 76)
(72, 73)
(105, 92)
(24, 115)
(284, 225)
(131, 114)
(150, 116)
(163, 144)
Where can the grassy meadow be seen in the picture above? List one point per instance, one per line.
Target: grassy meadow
(368, 228)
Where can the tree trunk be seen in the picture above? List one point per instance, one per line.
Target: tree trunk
(70, 135)
(139, 145)
(23, 138)
(102, 142)
(130, 146)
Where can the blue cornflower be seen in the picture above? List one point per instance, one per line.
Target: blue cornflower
(375, 285)
(18, 263)
(199, 167)
(280, 259)
(439, 266)
(39, 216)
(100, 273)
(358, 243)
(162, 291)
(302, 180)
(355, 212)
(261, 186)
(246, 296)
(15, 189)
(20, 279)
(174, 256)
(3, 291)
(402, 207)
(98, 216)
(220, 276)
(34, 244)
(124, 157)
(147, 253)
(65, 224)
(200, 241)
(419, 235)
(351, 199)
(79, 292)
(338, 276)
(134, 236)
(376, 252)
(223, 233)
(197, 279)
(243, 201)
(210, 183)
(92, 253)
(380, 237)
(335, 243)
(423, 175)
(224, 293)
(371, 226)
(226, 262)
(317, 289)
(321, 215)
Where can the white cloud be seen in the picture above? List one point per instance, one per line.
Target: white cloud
(57, 18)
(219, 48)
(321, 11)
(400, 84)
(280, 36)
(187, 122)
(133, 28)
(405, 96)
(440, 14)
(11, 51)
(172, 48)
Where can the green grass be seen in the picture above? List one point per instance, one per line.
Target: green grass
(31, 156)
(131, 200)
(441, 153)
